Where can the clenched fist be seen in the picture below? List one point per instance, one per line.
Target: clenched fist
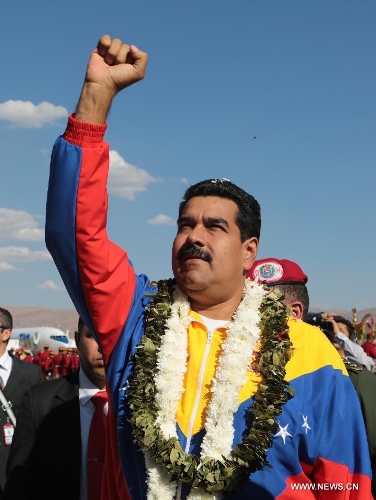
(113, 66)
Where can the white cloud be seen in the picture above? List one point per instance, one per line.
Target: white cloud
(19, 225)
(125, 180)
(5, 266)
(25, 114)
(23, 254)
(184, 180)
(50, 285)
(162, 219)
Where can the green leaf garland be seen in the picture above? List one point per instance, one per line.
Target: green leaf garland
(274, 351)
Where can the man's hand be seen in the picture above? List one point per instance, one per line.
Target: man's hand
(115, 65)
(336, 328)
(112, 67)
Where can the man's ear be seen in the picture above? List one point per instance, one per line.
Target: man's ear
(251, 247)
(296, 310)
(7, 332)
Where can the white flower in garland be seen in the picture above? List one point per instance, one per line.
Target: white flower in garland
(199, 494)
(159, 485)
(172, 365)
(242, 335)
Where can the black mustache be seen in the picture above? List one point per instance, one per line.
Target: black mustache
(195, 252)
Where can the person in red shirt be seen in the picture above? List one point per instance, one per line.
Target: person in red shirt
(36, 358)
(65, 362)
(43, 355)
(21, 352)
(28, 357)
(49, 366)
(74, 360)
(369, 346)
(57, 362)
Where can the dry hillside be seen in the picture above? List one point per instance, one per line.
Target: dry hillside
(66, 319)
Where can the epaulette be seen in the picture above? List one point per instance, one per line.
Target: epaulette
(353, 366)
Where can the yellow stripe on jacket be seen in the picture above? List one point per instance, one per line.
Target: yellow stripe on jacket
(198, 379)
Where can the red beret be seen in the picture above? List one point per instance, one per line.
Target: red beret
(273, 271)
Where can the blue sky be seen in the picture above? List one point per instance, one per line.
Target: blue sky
(278, 97)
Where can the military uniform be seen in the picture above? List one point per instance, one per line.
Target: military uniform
(365, 385)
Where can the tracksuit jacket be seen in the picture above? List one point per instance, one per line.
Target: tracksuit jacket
(320, 450)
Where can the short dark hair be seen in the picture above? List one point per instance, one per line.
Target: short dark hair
(248, 218)
(349, 325)
(78, 332)
(80, 325)
(6, 318)
(295, 292)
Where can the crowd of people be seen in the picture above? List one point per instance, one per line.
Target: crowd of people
(60, 411)
(53, 365)
(210, 385)
(342, 332)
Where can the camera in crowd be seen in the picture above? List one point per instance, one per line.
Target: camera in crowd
(326, 326)
(316, 319)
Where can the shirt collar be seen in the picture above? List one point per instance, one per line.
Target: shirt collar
(86, 388)
(6, 362)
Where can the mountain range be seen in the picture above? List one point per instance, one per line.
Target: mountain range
(66, 319)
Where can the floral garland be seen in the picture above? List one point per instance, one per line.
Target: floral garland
(157, 385)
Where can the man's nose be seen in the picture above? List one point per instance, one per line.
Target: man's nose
(197, 235)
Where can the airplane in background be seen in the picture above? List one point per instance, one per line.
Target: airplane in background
(35, 338)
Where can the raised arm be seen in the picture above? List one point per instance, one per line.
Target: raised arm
(97, 273)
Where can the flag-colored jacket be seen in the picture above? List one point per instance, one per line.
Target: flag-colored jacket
(320, 450)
